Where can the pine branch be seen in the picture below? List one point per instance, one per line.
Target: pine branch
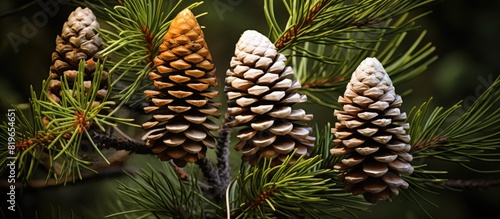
(327, 77)
(218, 177)
(326, 21)
(303, 24)
(296, 29)
(289, 190)
(160, 192)
(222, 152)
(137, 29)
(71, 120)
(433, 142)
(473, 135)
(181, 172)
(58, 130)
(105, 141)
(102, 173)
(472, 184)
(25, 142)
(185, 176)
(425, 127)
(260, 199)
(326, 40)
(210, 174)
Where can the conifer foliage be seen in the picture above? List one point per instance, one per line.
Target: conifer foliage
(158, 58)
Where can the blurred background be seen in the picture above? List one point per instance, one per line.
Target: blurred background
(466, 34)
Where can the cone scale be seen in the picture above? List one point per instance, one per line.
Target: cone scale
(78, 41)
(181, 102)
(371, 135)
(260, 97)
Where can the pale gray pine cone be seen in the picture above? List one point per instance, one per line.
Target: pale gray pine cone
(260, 97)
(78, 41)
(181, 103)
(371, 134)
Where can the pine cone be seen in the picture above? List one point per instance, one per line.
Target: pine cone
(183, 78)
(371, 133)
(77, 41)
(260, 97)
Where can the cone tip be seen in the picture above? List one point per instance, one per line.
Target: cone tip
(253, 38)
(371, 61)
(84, 10)
(253, 34)
(186, 12)
(183, 23)
(369, 66)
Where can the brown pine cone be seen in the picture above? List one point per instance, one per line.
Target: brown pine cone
(183, 76)
(260, 97)
(371, 134)
(78, 41)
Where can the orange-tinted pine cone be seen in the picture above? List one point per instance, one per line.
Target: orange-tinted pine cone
(181, 128)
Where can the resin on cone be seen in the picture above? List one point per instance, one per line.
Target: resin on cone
(371, 135)
(181, 101)
(260, 98)
(78, 41)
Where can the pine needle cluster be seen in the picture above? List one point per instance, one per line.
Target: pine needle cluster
(148, 63)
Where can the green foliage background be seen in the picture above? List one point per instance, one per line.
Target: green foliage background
(465, 33)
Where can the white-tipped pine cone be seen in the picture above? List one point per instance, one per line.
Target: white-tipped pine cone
(78, 41)
(260, 97)
(371, 133)
(183, 76)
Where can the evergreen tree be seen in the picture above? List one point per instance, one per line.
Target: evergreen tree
(126, 67)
